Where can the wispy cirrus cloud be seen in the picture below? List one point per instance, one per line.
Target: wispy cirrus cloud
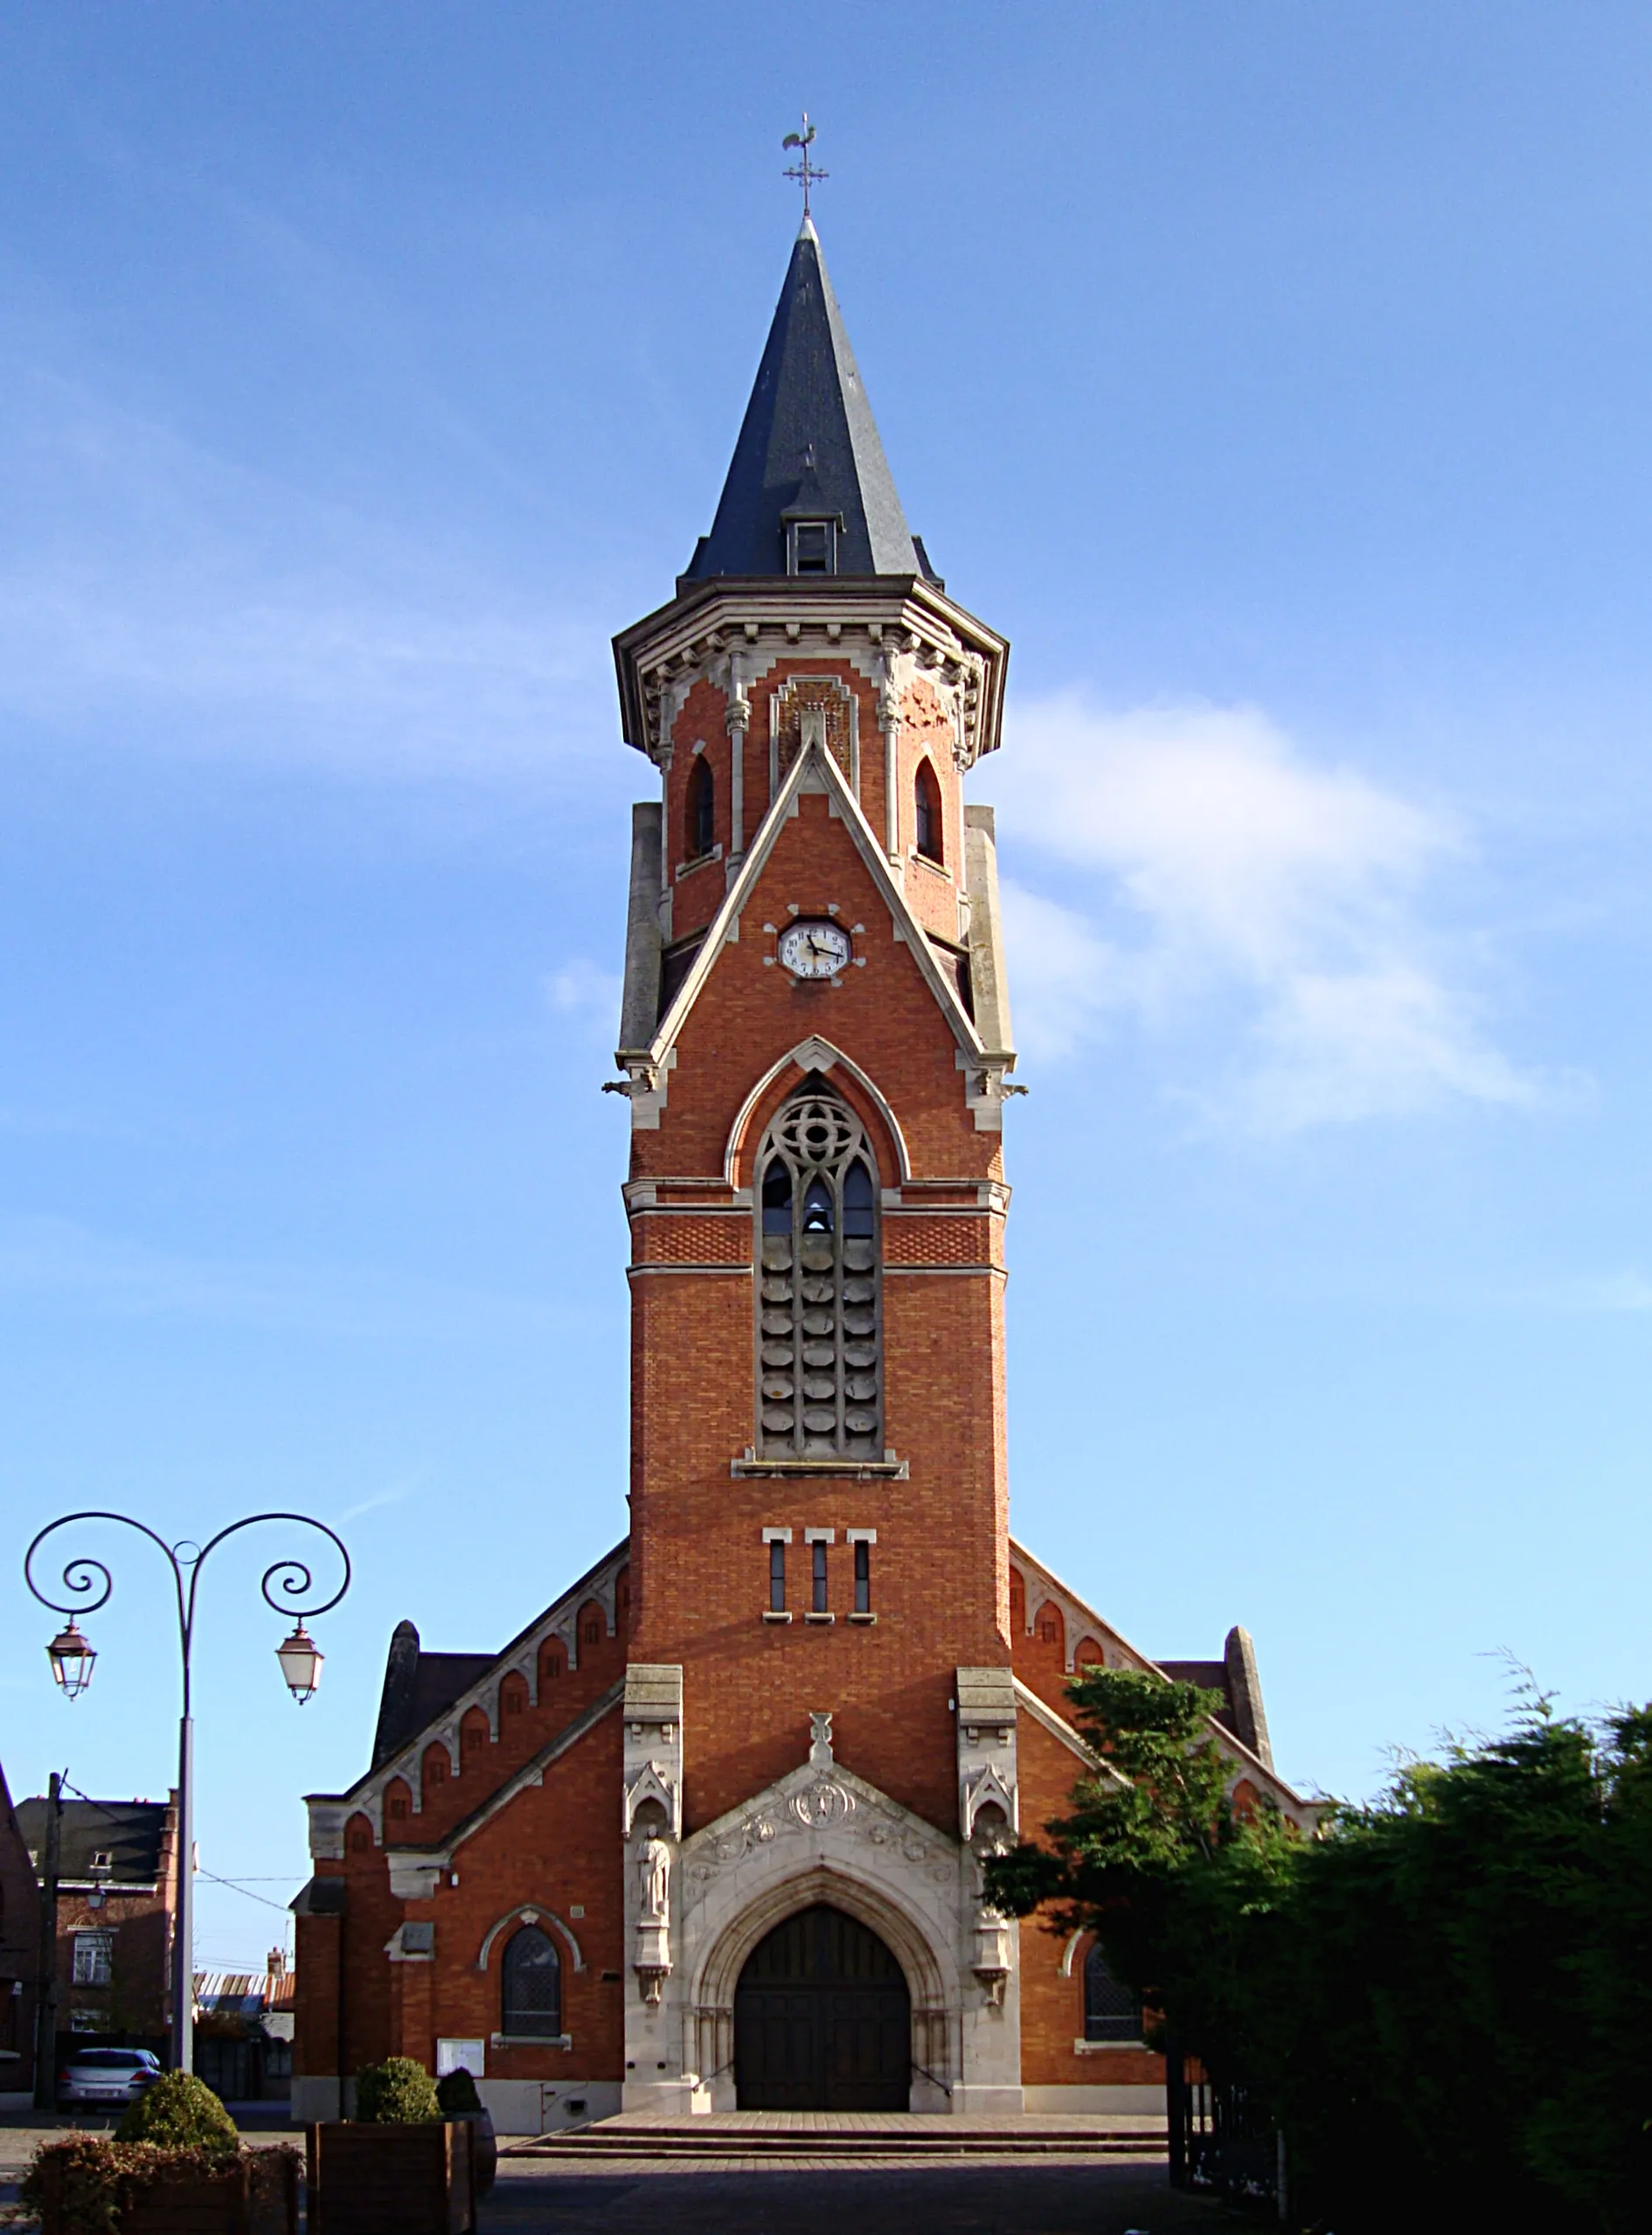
(1228, 883)
(1609, 1294)
(394, 1493)
(153, 589)
(587, 994)
(54, 1261)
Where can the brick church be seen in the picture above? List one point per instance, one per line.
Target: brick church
(707, 1834)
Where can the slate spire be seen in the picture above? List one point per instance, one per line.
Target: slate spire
(808, 450)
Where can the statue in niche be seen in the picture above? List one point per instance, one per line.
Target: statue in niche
(654, 1869)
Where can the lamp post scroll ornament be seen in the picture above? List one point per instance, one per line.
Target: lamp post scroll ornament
(286, 1585)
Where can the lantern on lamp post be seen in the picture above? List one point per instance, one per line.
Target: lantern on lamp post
(72, 1660)
(90, 1585)
(300, 1659)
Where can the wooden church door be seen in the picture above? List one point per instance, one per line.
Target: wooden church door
(823, 2020)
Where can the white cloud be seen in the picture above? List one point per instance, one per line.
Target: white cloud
(152, 589)
(1280, 903)
(1612, 1293)
(581, 990)
(54, 1262)
(396, 1493)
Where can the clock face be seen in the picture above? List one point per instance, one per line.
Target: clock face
(814, 950)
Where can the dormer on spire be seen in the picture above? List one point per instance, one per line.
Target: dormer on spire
(809, 490)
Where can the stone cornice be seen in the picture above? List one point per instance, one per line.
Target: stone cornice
(761, 619)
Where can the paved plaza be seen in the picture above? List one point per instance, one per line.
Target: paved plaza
(838, 2191)
(979, 2196)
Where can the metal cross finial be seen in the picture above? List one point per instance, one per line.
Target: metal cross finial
(805, 172)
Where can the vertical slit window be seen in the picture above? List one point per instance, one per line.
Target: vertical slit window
(702, 811)
(862, 1579)
(927, 812)
(818, 1318)
(820, 1576)
(777, 1578)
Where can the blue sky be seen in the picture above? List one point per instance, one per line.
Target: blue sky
(1275, 375)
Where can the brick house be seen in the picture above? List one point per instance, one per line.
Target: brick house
(116, 1897)
(709, 1831)
(19, 1958)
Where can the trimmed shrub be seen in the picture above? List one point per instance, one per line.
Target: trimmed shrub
(456, 2094)
(179, 2113)
(399, 2092)
(93, 2172)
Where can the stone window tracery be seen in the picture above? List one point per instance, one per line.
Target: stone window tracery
(819, 1331)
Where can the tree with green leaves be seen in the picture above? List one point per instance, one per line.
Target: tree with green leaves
(1445, 1996)
(1156, 1859)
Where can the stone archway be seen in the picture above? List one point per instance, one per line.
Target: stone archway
(931, 2052)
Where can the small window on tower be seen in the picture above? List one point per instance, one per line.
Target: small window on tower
(702, 811)
(862, 1577)
(814, 547)
(926, 805)
(820, 1577)
(777, 1578)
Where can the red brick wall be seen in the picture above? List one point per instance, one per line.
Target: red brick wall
(938, 1567)
(556, 1847)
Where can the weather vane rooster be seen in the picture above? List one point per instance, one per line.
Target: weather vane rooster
(805, 172)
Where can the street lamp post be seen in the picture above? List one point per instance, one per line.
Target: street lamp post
(89, 1585)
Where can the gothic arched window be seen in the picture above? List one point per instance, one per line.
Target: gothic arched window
(702, 811)
(926, 806)
(1112, 2010)
(818, 1327)
(532, 1986)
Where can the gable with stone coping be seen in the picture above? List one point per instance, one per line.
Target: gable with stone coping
(329, 1812)
(1080, 1620)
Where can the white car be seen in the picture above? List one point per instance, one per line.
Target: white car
(107, 2076)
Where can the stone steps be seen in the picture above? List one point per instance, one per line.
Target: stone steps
(936, 2138)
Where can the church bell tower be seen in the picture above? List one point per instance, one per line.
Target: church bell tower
(815, 1038)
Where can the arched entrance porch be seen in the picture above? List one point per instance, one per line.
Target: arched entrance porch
(822, 2019)
(929, 2056)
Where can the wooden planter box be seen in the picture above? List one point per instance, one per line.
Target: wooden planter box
(392, 2180)
(257, 2195)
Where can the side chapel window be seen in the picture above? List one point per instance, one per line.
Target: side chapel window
(532, 1986)
(818, 1335)
(702, 811)
(926, 807)
(1111, 2010)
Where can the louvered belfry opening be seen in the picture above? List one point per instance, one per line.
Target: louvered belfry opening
(819, 1331)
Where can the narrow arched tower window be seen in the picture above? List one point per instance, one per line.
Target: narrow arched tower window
(819, 1326)
(927, 810)
(531, 1984)
(702, 811)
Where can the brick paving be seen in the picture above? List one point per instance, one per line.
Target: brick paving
(720, 2197)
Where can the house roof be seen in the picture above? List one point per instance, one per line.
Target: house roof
(808, 448)
(130, 1832)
